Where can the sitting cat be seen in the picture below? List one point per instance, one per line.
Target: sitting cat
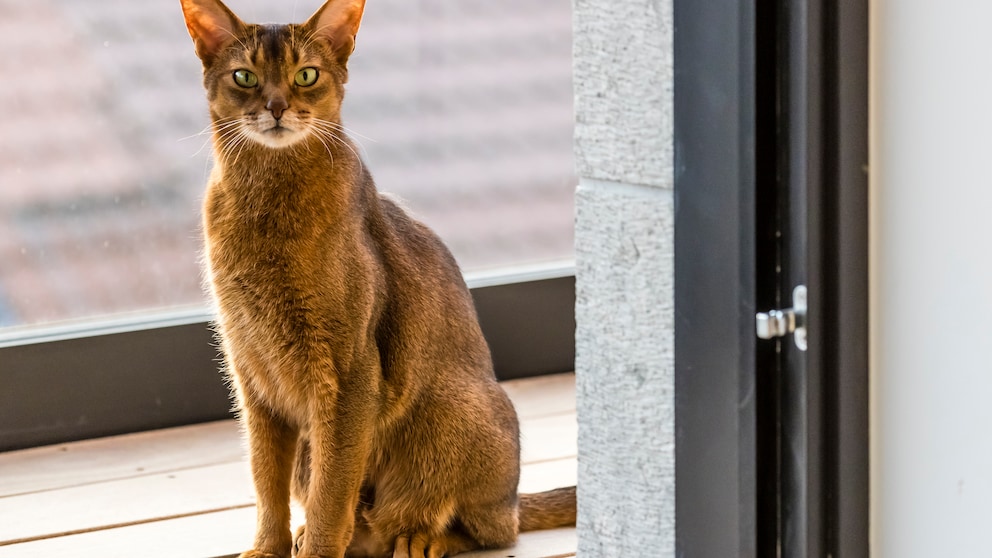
(361, 375)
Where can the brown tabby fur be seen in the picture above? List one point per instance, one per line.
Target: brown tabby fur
(351, 339)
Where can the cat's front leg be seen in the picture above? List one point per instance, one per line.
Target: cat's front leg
(340, 437)
(272, 445)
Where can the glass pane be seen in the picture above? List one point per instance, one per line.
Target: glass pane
(462, 108)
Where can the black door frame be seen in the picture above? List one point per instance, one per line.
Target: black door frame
(715, 352)
(737, 492)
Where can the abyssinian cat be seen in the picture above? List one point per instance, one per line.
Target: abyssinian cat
(360, 372)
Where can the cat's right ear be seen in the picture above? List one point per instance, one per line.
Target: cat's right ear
(212, 26)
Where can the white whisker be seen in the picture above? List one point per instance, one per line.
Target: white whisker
(327, 128)
(200, 133)
(349, 131)
(338, 128)
(200, 150)
(231, 142)
(220, 128)
(319, 135)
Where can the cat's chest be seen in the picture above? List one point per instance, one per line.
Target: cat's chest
(285, 276)
(264, 237)
(273, 303)
(274, 292)
(263, 263)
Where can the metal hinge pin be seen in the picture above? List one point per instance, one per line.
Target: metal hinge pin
(779, 323)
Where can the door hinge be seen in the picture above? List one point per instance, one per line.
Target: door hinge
(779, 323)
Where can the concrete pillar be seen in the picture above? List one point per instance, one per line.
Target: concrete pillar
(625, 294)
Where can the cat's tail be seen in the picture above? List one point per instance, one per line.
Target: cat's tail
(547, 510)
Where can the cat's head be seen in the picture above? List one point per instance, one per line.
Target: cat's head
(274, 85)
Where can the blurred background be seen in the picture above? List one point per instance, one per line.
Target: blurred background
(462, 109)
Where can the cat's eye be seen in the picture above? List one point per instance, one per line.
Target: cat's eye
(244, 78)
(306, 77)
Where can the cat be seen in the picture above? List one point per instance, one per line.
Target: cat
(359, 370)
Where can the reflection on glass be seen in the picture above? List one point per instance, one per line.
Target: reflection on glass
(463, 109)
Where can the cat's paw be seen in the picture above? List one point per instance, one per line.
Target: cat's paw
(298, 539)
(298, 551)
(415, 546)
(422, 545)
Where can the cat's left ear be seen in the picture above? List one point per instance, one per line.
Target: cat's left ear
(337, 22)
(212, 25)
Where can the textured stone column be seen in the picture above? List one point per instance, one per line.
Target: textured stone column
(625, 292)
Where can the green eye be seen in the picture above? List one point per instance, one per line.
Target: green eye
(244, 78)
(306, 77)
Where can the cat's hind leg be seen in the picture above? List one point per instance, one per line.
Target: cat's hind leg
(491, 526)
(484, 527)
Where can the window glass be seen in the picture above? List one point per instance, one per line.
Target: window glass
(461, 108)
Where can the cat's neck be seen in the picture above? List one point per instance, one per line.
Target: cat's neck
(312, 150)
(311, 177)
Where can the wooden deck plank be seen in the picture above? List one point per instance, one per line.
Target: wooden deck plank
(225, 534)
(552, 543)
(194, 491)
(198, 536)
(542, 395)
(189, 488)
(121, 502)
(140, 455)
(173, 449)
(546, 475)
(546, 438)
(118, 457)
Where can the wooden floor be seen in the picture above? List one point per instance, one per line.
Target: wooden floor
(186, 493)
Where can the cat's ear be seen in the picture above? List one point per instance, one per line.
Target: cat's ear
(337, 23)
(212, 26)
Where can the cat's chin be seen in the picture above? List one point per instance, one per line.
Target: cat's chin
(277, 138)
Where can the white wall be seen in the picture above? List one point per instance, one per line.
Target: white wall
(932, 278)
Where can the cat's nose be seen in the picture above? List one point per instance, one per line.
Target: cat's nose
(277, 105)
